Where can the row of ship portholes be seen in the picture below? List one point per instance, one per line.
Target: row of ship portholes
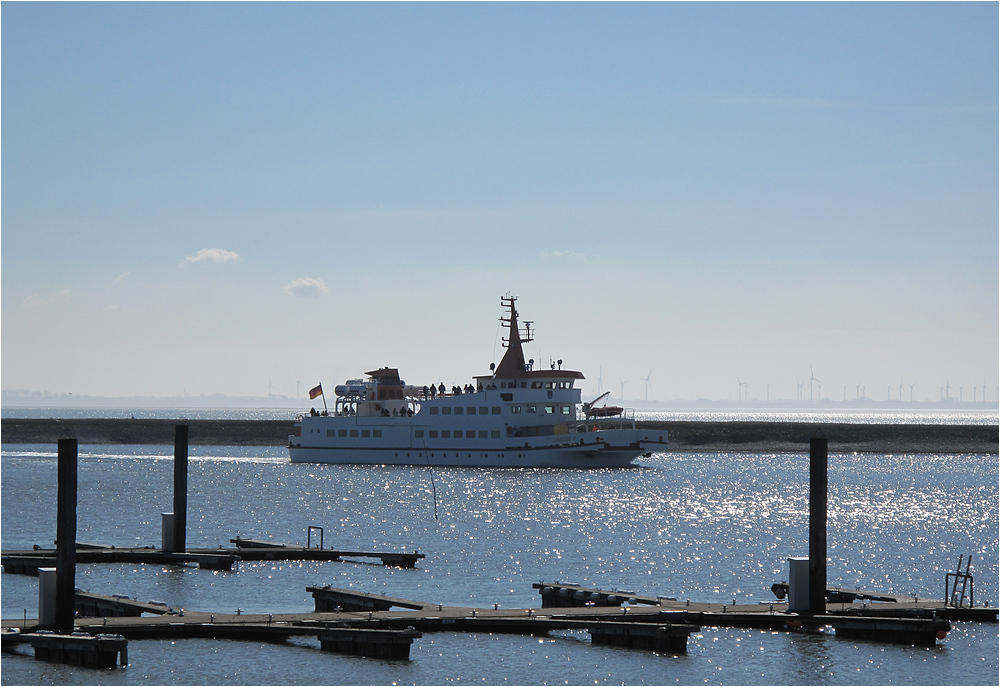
(444, 454)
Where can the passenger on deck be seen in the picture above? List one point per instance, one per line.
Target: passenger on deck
(441, 389)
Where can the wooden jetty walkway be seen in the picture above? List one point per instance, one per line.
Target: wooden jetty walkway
(247, 550)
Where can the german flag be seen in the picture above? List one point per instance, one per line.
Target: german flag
(316, 391)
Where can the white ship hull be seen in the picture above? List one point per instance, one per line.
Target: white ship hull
(595, 454)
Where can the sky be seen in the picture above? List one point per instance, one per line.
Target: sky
(246, 199)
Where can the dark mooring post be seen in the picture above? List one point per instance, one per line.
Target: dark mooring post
(66, 536)
(817, 525)
(180, 486)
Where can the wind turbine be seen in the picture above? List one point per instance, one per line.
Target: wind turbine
(744, 390)
(623, 387)
(811, 380)
(646, 379)
(911, 392)
(600, 380)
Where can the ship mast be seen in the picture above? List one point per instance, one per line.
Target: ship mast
(512, 364)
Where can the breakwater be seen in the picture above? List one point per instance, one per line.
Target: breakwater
(749, 436)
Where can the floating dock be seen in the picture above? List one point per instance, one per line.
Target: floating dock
(380, 626)
(77, 648)
(247, 550)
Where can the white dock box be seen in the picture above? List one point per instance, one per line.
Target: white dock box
(798, 584)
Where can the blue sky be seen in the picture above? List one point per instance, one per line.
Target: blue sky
(230, 198)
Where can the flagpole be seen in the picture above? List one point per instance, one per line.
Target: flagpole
(318, 391)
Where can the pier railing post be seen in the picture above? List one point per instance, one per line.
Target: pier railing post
(66, 536)
(817, 524)
(180, 488)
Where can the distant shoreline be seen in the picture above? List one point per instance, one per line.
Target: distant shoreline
(684, 436)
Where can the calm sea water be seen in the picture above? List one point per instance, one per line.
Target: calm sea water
(706, 527)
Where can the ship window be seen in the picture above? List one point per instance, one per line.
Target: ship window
(418, 434)
(549, 410)
(494, 434)
(516, 410)
(483, 434)
(433, 410)
(471, 410)
(354, 432)
(536, 385)
(458, 410)
(496, 410)
(446, 434)
(524, 385)
(506, 397)
(330, 432)
(376, 433)
(548, 385)
(446, 411)
(366, 433)
(341, 432)
(565, 410)
(483, 410)
(532, 409)
(433, 434)
(470, 434)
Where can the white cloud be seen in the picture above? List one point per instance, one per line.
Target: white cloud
(564, 255)
(122, 277)
(34, 300)
(219, 256)
(306, 286)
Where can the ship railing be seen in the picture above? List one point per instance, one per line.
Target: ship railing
(626, 420)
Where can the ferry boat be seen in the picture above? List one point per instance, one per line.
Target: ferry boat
(516, 416)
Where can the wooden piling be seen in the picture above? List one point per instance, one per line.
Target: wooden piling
(66, 535)
(817, 524)
(180, 488)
